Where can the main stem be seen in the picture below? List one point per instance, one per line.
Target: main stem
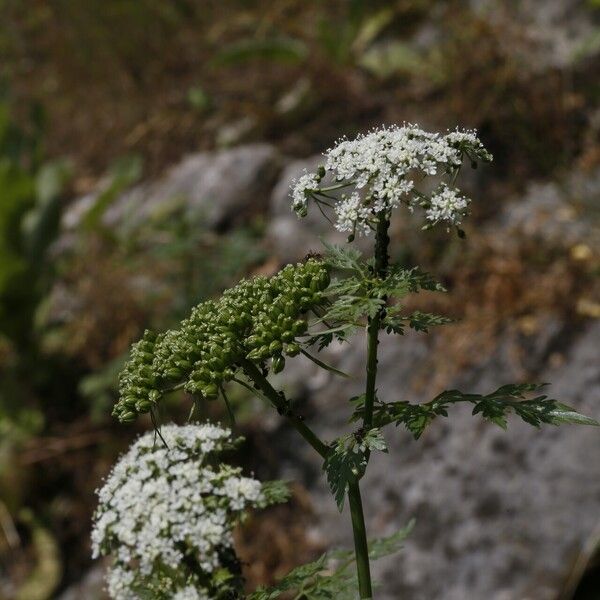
(382, 242)
(361, 546)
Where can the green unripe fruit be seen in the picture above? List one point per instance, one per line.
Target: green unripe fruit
(127, 417)
(292, 349)
(215, 363)
(146, 372)
(275, 347)
(129, 401)
(146, 356)
(143, 406)
(305, 301)
(154, 396)
(174, 373)
(210, 391)
(146, 347)
(299, 327)
(287, 336)
(278, 364)
(253, 340)
(198, 375)
(255, 354)
(274, 312)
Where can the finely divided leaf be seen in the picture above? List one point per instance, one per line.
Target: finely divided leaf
(275, 492)
(381, 547)
(494, 407)
(419, 321)
(346, 258)
(343, 466)
(333, 575)
(347, 460)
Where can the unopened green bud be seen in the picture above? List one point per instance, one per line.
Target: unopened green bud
(292, 349)
(154, 396)
(127, 417)
(143, 406)
(278, 364)
(275, 347)
(210, 391)
(299, 327)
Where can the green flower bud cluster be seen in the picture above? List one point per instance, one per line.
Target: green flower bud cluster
(259, 319)
(137, 381)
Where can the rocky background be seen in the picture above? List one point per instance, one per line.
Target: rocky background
(161, 175)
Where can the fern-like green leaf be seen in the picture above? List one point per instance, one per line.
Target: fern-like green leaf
(494, 407)
(275, 492)
(386, 546)
(344, 258)
(333, 575)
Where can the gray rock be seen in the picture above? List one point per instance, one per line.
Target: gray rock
(222, 187)
(559, 214)
(558, 31)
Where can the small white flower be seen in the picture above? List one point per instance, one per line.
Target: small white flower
(447, 205)
(384, 167)
(303, 187)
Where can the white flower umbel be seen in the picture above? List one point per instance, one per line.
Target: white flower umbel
(377, 172)
(166, 514)
(447, 205)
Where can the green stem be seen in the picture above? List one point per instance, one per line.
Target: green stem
(361, 547)
(382, 241)
(282, 406)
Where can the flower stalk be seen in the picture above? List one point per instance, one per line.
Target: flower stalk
(382, 241)
(361, 546)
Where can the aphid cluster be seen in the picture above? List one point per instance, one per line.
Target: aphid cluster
(258, 319)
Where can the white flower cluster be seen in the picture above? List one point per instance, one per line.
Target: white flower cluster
(382, 169)
(448, 205)
(166, 513)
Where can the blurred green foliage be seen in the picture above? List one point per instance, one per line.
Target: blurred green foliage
(30, 194)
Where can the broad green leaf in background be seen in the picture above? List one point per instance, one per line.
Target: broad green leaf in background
(392, 57)
(276, 49)
(40, 224)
